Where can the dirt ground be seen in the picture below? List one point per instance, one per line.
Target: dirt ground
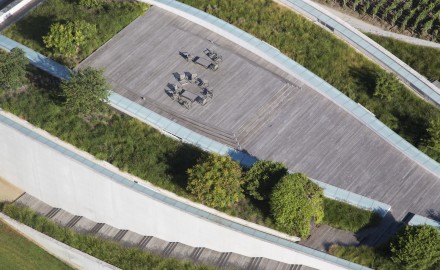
(8, 192)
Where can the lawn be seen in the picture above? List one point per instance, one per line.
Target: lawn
(424, 60)
(329, 58)
(16, 252)
(109, 19)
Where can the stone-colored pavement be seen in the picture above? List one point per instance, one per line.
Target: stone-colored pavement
(8, 192)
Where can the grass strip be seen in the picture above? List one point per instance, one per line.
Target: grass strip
(424, 60)
(17, 252)
(347, 217)
(105, 250)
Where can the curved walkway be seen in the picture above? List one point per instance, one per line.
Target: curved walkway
(360, 41)
(369, 28)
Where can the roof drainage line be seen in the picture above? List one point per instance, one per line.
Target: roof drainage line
(372, 48)
(163, 198)
(275, 57)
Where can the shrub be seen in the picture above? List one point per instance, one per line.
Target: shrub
(294, 202)
(90, 3)
(13, 69)
(347, 217)
(417, 247)
(66, 39)
(86, 93)
(262, 177)
(216, 181)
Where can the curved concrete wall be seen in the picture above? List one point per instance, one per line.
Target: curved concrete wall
(57, 174)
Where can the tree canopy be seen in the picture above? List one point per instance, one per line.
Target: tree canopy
(432, 145)
(387, 86)
(416, 247)
(216, 181)
(262, 177)
(296, 201)
(66, 39)
(86, 93)
(13, 69)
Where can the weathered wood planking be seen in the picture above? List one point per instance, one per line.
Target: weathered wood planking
(307, 132)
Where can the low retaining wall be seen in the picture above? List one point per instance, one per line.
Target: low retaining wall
(73, 257)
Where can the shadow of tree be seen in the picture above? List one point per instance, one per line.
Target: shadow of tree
(180, 160)
(365, 79)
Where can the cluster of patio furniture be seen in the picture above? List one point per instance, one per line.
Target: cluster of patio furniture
(212, 63)
(191, 89)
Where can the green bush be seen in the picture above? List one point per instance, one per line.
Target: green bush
(367, 256)
(296, 201)
(417, 247)
(12, 70)
(216, 181)
(262, 177)
(347, 217)
(108, 251)
(329, 58)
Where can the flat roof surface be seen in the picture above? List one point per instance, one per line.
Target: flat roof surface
(270, 113)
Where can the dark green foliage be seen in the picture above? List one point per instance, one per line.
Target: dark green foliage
(90, 3)
(86, 93)
(417, 247)
(347, 217)
(12, 70)
(111, 18)
(110, 252)
(367, 256)
(432, 144)
(262, 177)
(295, 202)
(66, 39)
(423, 59)
(387, 86)
(216, 181)
(329, 58)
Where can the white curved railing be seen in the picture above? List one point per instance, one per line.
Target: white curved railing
(356, 38)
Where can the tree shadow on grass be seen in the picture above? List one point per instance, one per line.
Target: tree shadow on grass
(365, 79)
(35, 27)
(180, 160)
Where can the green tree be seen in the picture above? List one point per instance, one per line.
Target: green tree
(13, 69)
(416, 247)
(387, 86)
(87, 93)
(262, 177)
(216, 181)
(90, 3)
(295, 202)
(432, 144)
(67, 39)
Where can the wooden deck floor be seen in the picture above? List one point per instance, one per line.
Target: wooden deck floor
(272, 114)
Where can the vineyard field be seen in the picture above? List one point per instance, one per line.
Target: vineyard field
(419, 17)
